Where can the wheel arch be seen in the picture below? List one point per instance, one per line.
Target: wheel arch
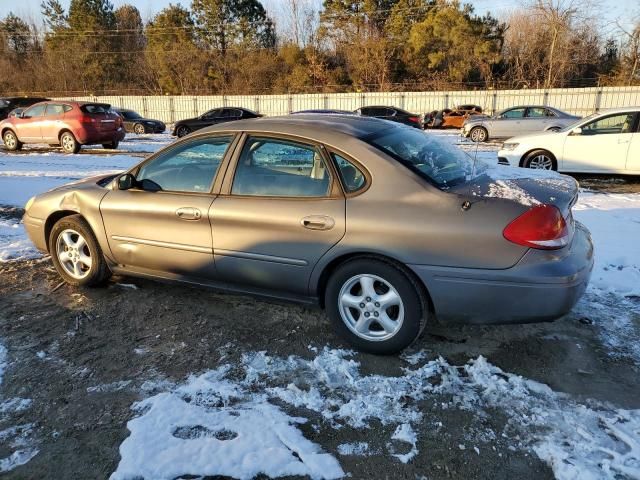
(54, 218)
(65, 130)
(331, 266)
(6, 129)
(529, 152)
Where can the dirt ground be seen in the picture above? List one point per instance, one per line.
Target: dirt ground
(89, 337)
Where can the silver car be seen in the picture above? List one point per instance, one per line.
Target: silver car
(384, 226)
(516, 121)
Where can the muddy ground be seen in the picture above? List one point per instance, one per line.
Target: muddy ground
(64, 340)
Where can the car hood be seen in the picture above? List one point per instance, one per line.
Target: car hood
(101, 180)
(525, 187)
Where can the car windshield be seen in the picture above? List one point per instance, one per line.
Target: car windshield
(440, 163)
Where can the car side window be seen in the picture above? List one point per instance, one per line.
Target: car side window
(352, 177)
(67, 108)
(35, 111)
(280, 168)
(513, 113)
(211, 114)
(621, 123)
(190, 167)
(550, 113)
(54, 109)
(536, 112)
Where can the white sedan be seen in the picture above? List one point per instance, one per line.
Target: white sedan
(605, 142)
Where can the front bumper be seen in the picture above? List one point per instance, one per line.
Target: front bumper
(35, 230)
(509, 157)
(543, 286)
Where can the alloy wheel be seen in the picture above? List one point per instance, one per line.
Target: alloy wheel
(10, 140)
(541, 162)
(371, 307)
(478, 135)
(139, 129)
(68, 143)
(74, 254)
(182, 131)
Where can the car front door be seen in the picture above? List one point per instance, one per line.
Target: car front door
(29, 125)
(210, 118)
(508, 124)
(601, 145)
(162, 225)
(279, 211)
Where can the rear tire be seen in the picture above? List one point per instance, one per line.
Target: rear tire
(138, 129)
(76, 253)
(540, 160)
(479, 134)
(182, 130)
(69, 143)
(111, 145)
(375, 306)
(11, 141)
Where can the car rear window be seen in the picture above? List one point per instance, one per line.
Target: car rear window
(442, 164)
(95, 108)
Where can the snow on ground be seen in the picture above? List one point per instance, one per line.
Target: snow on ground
(223, 422)
(17, 437)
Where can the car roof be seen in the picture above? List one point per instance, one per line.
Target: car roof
(310, 125)
(619, 110)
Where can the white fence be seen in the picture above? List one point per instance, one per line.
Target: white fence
(579, 101)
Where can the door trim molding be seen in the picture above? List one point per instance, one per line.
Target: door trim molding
(260, 256)
(157, 243)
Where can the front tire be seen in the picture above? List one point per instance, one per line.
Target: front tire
(182, 130)
(76, 253)
(375, 306)
(479, 134)
(540, 160)
(69, 143)
(11, 141)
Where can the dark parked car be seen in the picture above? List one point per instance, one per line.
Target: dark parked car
(325, 110)
(212, 117)
(136, 123)
(7, 104)
(384, 226)
(391, 113)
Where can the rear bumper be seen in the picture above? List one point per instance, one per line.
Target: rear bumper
(87, 137)
(542, 286)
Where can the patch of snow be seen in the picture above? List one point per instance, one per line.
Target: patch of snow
(212, 426)
(511, 191)
(17, 437)
(404, 433)
(109, 387)
(358, 448)
(14, 244)
(413, 358)
(614, 223)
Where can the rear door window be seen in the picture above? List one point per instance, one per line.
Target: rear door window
(536, 112)
(54, 109)
(280, 168)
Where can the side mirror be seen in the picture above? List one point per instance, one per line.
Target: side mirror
(126, 182)
(576, 131)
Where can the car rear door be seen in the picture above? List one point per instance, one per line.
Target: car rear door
(52, 122)
(602, 145)
(168, 232)
(633, 154)
(29, 126)
(535, 120)
(279, 211)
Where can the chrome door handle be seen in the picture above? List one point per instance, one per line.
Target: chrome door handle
(318, 222)
(188, 213)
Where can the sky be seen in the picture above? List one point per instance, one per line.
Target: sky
(609, 11)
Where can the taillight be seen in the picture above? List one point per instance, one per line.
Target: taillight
(87, 119)
(414, 119)
(542, 227)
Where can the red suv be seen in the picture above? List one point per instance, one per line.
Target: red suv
(69, 124)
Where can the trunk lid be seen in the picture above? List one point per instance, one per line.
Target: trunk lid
(526, 187)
